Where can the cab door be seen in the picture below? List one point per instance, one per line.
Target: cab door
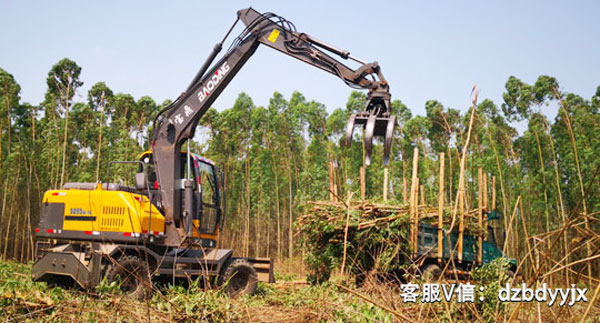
(209, 208)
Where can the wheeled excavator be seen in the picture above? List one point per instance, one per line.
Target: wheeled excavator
(167, 225)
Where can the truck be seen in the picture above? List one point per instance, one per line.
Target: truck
(431, 262)
(164, 221)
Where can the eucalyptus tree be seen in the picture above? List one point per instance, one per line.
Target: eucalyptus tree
(122, 127)
(83, 139)
(100, 98)
(316, 158)
(146, 110)
(9, 100)
(63, 81)
(276, 143)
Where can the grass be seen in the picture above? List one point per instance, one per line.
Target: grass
(288, 300)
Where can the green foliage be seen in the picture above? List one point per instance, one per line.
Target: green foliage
(382, 247)
(24, 300)
(492, 277)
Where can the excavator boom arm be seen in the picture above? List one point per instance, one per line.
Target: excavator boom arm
(177, 123)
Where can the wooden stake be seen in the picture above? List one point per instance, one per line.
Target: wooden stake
(441, 209)
(416, 235)
(385, 184)
(480, 215)
(413, 192)
(485, 191)
(363, 182)
(422, 194)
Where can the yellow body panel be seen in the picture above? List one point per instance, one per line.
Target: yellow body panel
(204, 235)
(108, 211)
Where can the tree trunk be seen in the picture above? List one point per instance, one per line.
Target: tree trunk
(567, 121)
(99, 153)
(64, 152)
(4, 195)
(277, 209)
(247, 244)
(257, 222)
(291, 204)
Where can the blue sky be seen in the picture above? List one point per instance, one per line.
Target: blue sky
(427, 49)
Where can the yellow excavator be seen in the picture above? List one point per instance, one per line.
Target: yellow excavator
(167, 223)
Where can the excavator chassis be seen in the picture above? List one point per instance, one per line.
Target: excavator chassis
(86, 262)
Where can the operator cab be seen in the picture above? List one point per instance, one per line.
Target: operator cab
(207, 214)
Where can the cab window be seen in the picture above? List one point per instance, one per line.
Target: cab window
(207, 183)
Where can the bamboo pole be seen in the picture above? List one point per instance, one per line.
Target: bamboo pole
(461, 223)
(441, 209)
(385, 184)
(480, 215)
(413, 206)
(510, 224)
(459, 207)
(331, 189)
(346, 231)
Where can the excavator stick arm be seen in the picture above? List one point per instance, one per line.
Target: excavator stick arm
(177, 123)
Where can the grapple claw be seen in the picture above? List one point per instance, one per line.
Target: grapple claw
(388, 139)
(369, 132)
(374, 125)
(376, 120)
(350, 129)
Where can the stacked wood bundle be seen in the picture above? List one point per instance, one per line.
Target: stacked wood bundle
(370, 234)
(366, 214)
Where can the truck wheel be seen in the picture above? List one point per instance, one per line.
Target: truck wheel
(132, 273)
(239, 277)
(516, 279)
(431, 272)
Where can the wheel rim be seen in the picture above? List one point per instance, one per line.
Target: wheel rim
(432, 273)
(239, 281)
(129, 283)
(129, 279)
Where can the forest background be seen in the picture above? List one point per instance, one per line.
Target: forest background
(279, 156)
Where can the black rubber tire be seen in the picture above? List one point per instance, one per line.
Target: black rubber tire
(132, 273)
(514, 279)
(431, 272)
(238, 277)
